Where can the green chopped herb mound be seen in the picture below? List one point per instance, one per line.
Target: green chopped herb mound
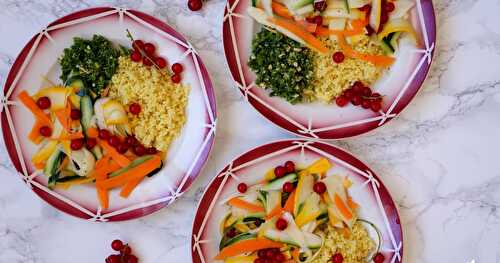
(94, 61)
(281, 64)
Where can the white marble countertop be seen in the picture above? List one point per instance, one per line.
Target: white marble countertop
(438, 158)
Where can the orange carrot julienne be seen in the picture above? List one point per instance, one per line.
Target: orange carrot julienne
(276, 211)
(129, 187)
(351, 203)
(71, 136)
(115, 155)
(240, 203)
(377, 60)
(344, 210)
(290, 203)
(30, 103)
(40, 165)
(301, 33)
(244, 246)
(137, 172)
(102, 194)
(281, 10)
(34, 136)
(92, 132)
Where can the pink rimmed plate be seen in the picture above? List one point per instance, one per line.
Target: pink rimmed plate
(376, 203)
(186, 156)
(315, 120)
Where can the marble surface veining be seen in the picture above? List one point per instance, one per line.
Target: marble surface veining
(438, 158)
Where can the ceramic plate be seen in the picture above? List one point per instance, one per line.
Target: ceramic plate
(316, 120)
(186, 156)
(376, 203)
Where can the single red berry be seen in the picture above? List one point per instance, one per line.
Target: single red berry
(290, 166)
(279, 257)
(104, 134)
(357, 87)
(376, 106)
(45, 131)
(288, 187)
(138, 45)
(176, 78)
(262, 253)
(270, 253)
(231, 233)
(177, 68)
(242, 187)
(310, 19)
(147, 62)
(378, 258)
(117, 245)
(136, 56)
(90, 143)
(366, 8)
(127, 250)
(258, 260)
(76, 144)
(132, 259)
(281, 224)
(279, 171)
(349, 94)
(389, 7)
(320, 6)
(75, 114)
(366, 92)
(318, 20)
(131, 140)
(341, 101)
(384, 17)
(134, 108)
(139, 150)
(356, 100)
(149, 49)
(122, 148)
(337, 258)
(195, 5)
(319, 187)
(114, 141)
(113, 259)
(338, 57)
(369, 30)
(151, 150)
(366, 104)
(161, 62)
(43, 103)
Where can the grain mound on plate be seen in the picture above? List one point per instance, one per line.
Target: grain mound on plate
(331, 79)
(163, 103)
(354, 246)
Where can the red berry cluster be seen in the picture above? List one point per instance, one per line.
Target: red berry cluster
(146, 52)
(270, 255)
(387, 7)
(129, 143)
(125, 255)
(195, 5)
(360, 95)
(288, 167)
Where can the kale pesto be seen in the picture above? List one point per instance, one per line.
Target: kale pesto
(282, 65)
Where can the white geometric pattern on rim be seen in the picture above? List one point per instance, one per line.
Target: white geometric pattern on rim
(29, 179)
(301, 144)
(384, 116)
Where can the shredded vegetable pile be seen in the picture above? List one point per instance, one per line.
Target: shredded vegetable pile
(295, 215)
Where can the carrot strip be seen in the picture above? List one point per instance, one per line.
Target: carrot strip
(92, 133)
(30, 103)
(34, 135)
(40, 165)
(290, 203)
(377, 60)
(245, 246)
(115, 155)
(63, 115)
(276, 211)
(301, 33)
(281, 10)
(102, 194)
(344, 210)
(129, 187)
(351, 203)
(237, 202)
(137, 172)
(70, 136)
